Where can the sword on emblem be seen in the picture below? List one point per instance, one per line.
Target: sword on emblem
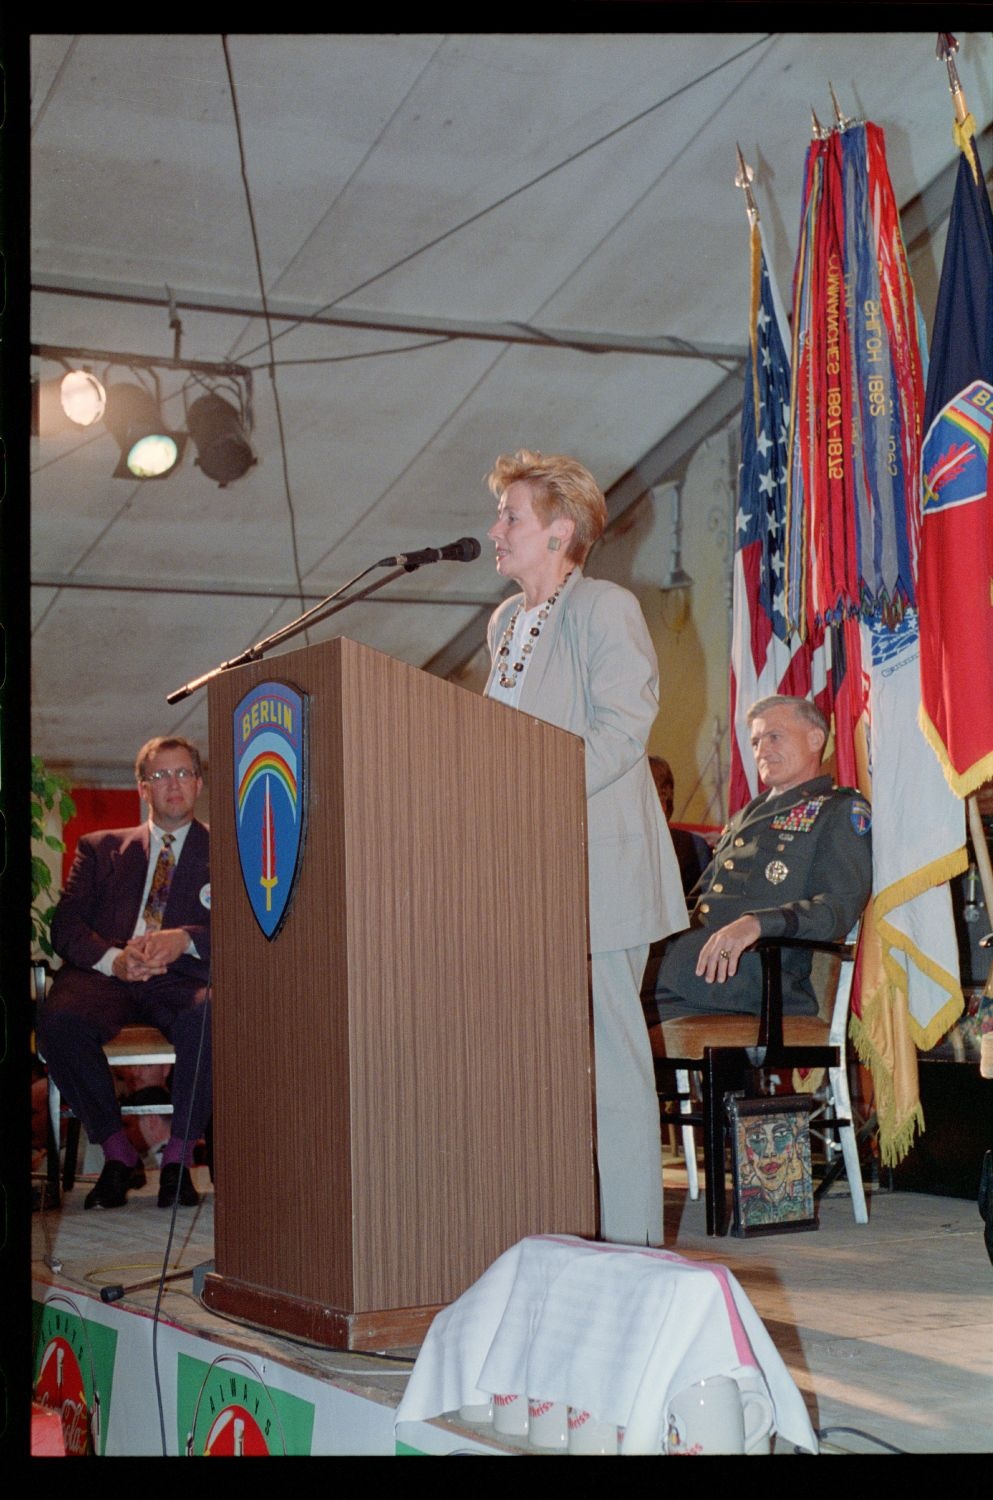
(268, 878)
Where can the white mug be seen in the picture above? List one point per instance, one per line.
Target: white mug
(705, 1418)
(548, 1423)
(759, 1413)
(587, 1434)
(482, 1412)
(510, 1415)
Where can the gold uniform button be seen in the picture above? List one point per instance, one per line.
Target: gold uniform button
(704, 907)
(738, 843)
(718, 889)
(729, 864)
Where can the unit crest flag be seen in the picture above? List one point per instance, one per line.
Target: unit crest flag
(956, 565)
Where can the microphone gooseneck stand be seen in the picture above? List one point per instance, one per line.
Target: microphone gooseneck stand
(321, 611)
(466, 549)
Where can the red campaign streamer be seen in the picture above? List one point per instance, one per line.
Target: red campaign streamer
(831, 493)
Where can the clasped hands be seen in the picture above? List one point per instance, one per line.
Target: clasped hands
(718, 958)
(150, 954)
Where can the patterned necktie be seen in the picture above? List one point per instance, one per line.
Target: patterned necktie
(158, 893)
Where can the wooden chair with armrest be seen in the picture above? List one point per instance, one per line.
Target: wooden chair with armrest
(733, 1052)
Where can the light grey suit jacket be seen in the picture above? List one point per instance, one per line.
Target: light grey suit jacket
(594, 672)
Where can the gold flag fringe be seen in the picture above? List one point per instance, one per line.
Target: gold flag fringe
(962, 783)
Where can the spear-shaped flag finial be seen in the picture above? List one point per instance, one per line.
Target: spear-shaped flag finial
(842, 120)
(743, 179)
(818, 133)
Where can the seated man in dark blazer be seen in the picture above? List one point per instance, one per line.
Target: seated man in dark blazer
(133, 930)
(796, 862)
(692, 851)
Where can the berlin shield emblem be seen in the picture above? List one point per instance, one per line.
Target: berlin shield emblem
(270, 797)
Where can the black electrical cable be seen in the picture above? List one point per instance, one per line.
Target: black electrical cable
(823, 1432)
(268, 323)
(532, 182)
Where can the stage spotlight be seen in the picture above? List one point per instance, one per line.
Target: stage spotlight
(223, 451)
(75, 399)
(149, 450)
(83, 398)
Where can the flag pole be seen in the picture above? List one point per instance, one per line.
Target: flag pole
(743, 179)
(945, 52)
(964, 127)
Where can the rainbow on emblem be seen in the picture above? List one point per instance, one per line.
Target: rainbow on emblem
(269, 784)
(955, 453)
(267, 760)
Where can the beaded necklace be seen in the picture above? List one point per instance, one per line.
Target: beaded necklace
(509, 674)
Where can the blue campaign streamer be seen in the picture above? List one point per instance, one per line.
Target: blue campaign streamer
(881, 515)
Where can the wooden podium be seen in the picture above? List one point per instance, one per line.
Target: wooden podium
(403, 1074)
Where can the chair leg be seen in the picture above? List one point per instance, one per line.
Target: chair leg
(52, 1145)
(842, 1102)
(720, 1074)
(72, 1154)
(689, 1139)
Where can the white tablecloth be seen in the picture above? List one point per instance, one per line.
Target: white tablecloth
(614, 1329)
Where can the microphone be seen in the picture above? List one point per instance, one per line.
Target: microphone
(464, 550)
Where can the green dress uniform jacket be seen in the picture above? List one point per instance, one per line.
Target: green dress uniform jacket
(801, 863)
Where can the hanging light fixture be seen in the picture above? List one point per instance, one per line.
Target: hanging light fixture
(75, 399)
(223, 449)
(149, 449)
(132, 409)
(82, 397)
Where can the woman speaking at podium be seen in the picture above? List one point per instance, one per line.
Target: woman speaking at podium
(576, 652)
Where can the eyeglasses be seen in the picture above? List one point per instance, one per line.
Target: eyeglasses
(183, 773)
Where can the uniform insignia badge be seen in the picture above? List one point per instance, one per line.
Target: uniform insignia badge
(776, 872)
(800, 819)
(861, 817)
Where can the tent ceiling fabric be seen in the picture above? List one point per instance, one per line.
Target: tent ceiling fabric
(566, 182)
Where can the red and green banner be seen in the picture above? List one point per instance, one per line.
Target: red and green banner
(227, 1409)
(74, 1372)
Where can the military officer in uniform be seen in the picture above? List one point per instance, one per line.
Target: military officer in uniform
(796, 862)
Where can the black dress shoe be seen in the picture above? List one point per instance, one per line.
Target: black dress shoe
(168, 1177)
(113, 1185)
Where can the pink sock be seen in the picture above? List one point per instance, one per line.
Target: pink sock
(117, 1147)
(172, 1151)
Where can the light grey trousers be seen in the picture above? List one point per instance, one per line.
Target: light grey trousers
(629, 1136)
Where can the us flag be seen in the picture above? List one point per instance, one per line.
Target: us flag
(766, 655)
